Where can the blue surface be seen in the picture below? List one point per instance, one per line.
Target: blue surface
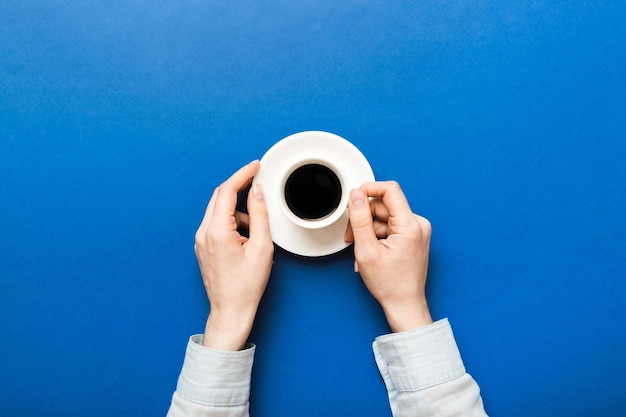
(505, 122)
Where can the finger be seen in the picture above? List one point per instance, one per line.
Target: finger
(381, 230)
(392, 197)
(259, 225)
(208, 214)
(242, 219)
(361, 221)
(380, 215)
(379, 211)
(226, 199)
(424, 225)
(348, 236)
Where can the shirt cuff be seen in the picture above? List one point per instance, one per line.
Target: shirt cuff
(419, 358)
(213, 377)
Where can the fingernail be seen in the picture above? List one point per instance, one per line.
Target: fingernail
(257, 192)
(357, 197)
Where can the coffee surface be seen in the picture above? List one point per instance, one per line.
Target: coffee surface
(312, 192)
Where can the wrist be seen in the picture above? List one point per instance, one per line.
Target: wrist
(227, 331)
(404, 317)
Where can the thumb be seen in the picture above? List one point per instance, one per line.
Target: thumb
(361, 220)
(258, 217)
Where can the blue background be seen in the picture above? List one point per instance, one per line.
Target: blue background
(505, 122)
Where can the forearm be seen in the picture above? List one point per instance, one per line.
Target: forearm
(424, 374)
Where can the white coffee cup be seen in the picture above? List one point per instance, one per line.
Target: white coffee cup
(314, 193)
(307, 178)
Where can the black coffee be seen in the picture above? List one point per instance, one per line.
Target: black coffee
(312, 192)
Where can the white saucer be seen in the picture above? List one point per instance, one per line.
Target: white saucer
(301, 149)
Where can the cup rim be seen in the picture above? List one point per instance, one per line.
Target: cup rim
(330, 218)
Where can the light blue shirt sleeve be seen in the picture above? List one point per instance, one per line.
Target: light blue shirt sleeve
(422, 370)
(424, 373)
(213, 383)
